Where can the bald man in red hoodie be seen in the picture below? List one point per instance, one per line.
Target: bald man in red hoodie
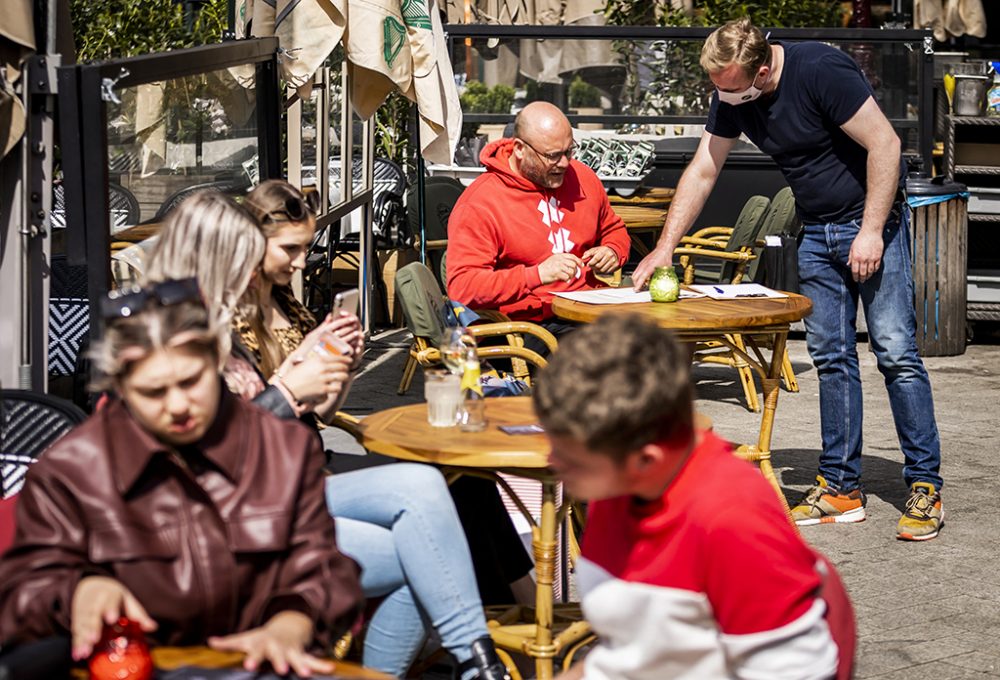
(535, 223)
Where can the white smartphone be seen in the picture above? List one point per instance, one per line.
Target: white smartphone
(346, 300)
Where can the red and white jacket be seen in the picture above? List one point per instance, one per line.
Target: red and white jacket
(709, 581)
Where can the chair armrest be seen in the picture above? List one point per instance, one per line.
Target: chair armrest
(509, 351)
(737, 256)
(707, 232)
(509, 327)
(492, 315)
(432, 355)
(347, 423)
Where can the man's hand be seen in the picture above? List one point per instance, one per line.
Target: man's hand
(560, 267)
(281, 642)
(659, 257)
(866, 254)
(100, 600)
(601, 259)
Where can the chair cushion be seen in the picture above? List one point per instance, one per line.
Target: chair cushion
(422, 301)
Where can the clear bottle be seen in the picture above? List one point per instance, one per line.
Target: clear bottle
(473, 418)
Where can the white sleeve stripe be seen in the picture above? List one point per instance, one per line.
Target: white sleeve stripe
(801, 650)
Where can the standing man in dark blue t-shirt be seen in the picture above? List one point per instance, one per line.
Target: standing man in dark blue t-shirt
(810, 108)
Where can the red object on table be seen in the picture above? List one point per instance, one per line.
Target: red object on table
(122, 653)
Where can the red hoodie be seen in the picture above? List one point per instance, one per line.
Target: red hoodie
(504, 226)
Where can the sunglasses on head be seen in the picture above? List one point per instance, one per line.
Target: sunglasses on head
(295, 209)
(121, 304)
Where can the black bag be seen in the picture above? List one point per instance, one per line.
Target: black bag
(779, 265)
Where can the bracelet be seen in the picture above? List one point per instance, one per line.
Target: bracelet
(278, 381)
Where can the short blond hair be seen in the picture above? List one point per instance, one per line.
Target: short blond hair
(737, 42)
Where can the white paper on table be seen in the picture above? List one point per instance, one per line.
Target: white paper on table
(616, 296)
(738, 290)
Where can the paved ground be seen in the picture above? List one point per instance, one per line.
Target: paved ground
(924, 610)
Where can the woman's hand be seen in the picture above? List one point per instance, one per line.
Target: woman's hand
(347, 327)
(313, 377)
(99, 600)
(281, 642)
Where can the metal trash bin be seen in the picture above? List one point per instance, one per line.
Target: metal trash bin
(939, 245)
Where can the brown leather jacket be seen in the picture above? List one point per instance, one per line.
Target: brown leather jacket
(212, 540)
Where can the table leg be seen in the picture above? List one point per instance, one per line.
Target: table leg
(544, 546)
(772, 388)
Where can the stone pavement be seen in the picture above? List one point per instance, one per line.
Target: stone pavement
(923, 609)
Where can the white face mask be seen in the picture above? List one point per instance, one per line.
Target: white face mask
(747, 95)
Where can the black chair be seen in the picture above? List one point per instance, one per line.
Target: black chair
(236, 187)
(122, 204)
(29, 423)
(440, 195)
(389, 228)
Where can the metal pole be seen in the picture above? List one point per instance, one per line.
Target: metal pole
(421, 199)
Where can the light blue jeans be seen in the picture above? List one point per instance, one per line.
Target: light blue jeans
(830, 335)
(399, 523)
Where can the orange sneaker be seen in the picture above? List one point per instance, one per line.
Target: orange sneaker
(824, 504)
(924, 515)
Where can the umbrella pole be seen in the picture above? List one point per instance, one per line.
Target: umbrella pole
(421, 199)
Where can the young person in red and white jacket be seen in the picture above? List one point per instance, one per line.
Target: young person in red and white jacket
(690, 569)
(536, 222)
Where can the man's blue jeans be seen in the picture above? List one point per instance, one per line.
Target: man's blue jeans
(399, 523)
(830, 335)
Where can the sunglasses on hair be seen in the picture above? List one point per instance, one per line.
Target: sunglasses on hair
(295, 209)
(121, 304)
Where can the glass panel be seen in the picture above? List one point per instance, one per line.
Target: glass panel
(640, 78)
(168, 139)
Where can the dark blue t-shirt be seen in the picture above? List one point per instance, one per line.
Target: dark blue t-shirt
(798, 125)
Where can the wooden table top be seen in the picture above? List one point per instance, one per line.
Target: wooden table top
(171, 658)
(641, 217)
(699, 314)
(652, 196)
(403, 432)
(138, 232)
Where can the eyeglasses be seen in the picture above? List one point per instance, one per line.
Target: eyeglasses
(121, 304)
(555, 156)
(295, 209)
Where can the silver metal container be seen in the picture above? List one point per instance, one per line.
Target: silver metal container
(970, 95)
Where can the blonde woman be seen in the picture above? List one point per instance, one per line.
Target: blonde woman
(397, 521)
(205, 225)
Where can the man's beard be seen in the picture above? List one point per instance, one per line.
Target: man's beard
(536, 173)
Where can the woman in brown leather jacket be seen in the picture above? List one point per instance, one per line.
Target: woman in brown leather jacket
(168, 506)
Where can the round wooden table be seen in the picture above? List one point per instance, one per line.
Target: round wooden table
(403, 432)
(741, 325)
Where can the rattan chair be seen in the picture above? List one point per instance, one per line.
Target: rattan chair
(746, 239)
(423, 306)
(731, 248)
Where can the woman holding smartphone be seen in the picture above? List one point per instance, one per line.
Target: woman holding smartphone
(396, 521)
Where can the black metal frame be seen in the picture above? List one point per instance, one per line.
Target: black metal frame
(924, 38)
(84, 138)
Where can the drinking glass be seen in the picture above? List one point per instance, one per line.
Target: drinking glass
(453, 344)
(443, 392)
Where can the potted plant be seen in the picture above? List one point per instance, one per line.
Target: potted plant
(585, 100)
(478, 98)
